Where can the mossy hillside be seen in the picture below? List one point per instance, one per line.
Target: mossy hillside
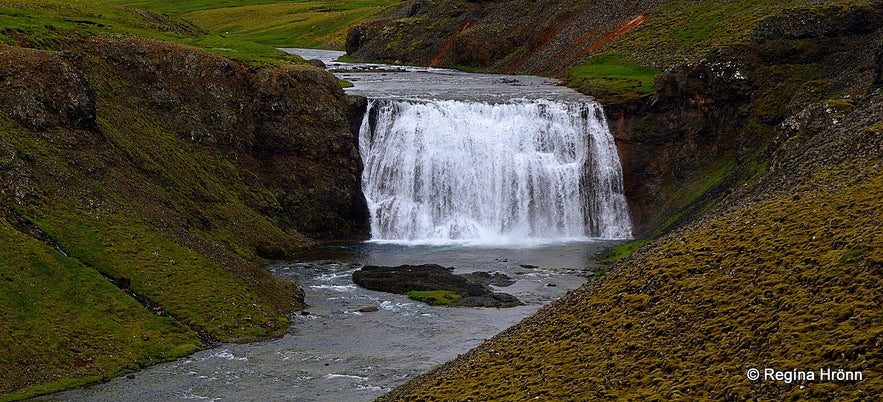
(788, 280)
(188, 286)
(311, 24)
(53, 24)
(139, 175)
(65, 325)
(681, 31)
(168, 219)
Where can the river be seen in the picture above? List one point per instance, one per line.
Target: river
(335, 352)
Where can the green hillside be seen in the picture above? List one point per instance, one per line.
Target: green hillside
(141, 188)
(311, 24)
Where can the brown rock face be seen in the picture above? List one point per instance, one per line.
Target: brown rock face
(60, 95)
(287, 125)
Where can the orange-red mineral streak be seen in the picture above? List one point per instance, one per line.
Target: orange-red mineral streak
(436, 61)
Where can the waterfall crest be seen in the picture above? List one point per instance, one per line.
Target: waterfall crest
(439, 172)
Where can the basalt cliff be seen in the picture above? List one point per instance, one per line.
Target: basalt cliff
(751, 135)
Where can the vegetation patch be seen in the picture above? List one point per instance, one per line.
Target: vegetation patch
(622, 251)
(435, 297)
(298, 23)
(66, 325)
(614, 77)
(52, 24)
(841, 107)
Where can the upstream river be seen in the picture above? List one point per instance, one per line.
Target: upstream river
(336, 352)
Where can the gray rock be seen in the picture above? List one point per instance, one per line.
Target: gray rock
(405, 278)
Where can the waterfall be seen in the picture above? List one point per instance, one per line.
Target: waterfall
(439, 172)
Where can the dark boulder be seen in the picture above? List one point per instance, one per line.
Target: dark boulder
(405, 278)
(494, 300)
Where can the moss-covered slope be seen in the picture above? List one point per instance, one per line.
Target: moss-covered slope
(144, 183)
(760, 139)
(544, 37)
(787, 276)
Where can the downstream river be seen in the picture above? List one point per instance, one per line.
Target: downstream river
(336, 352)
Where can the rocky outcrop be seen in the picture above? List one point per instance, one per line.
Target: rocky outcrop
(288, 125)
(716, 120)
(60, 95)
(406, 278)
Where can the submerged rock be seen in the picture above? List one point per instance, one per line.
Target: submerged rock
(495, 300)
(486, 278)
(405, 278)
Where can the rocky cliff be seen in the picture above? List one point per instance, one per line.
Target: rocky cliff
(144, 184)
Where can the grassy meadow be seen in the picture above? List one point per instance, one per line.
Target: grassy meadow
(311, 24)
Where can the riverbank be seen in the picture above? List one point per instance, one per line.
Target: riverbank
(337, 352)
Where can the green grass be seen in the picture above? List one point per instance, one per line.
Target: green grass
(187, 285)
(55, 24)
(62, 320)
(615, 76)
(622, 251)
(435, 297)
(312, 24)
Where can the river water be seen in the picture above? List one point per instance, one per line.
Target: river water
(334, 352)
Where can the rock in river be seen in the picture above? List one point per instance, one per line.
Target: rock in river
(405, 278)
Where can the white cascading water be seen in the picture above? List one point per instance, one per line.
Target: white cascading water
(439, 172)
